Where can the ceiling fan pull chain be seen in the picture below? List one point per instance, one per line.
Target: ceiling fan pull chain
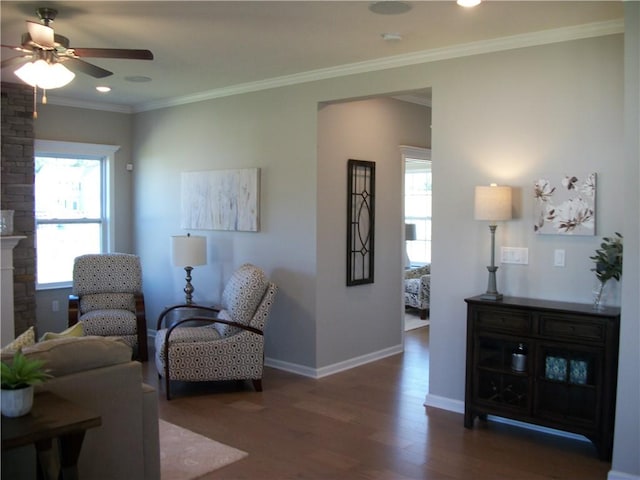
(35, 102)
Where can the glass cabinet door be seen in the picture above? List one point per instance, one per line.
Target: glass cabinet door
(567, 383)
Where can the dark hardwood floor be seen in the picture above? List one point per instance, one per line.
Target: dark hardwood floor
(366, 423)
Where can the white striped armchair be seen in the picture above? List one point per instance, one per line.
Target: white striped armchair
(227, 347)
(417, 289)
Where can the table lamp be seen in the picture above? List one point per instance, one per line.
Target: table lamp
(409, 235)
(492, 203)
(189, 251)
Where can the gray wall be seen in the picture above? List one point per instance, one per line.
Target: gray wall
(302, 252)
(505, 117)
(627, 434)
(350, 321)
(497, 118)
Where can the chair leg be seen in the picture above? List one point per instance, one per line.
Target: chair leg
(257, 384)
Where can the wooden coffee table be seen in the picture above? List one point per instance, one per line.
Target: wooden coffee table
(51, 417)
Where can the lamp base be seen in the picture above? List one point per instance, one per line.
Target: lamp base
(491, 296)
(492, 289)
(188, 289)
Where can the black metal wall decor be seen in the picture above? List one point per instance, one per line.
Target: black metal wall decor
(361, 188)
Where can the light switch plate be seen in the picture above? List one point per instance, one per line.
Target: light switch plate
(514, 255)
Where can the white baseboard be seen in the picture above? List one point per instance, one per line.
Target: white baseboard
(290, 367)
(444, 403)
(336, 367)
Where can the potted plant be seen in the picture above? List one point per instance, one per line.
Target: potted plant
(608, 260)
(17, 379)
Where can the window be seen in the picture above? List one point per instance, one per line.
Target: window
(417, 202)
(72, 198)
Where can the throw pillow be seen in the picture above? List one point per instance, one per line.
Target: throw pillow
(73, 331)
(24, 340)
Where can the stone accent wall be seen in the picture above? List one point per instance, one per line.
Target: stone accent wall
(18, 193)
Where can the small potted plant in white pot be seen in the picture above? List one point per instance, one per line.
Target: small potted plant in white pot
(17, 380)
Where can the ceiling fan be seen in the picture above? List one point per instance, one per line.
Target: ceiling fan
(41, 43)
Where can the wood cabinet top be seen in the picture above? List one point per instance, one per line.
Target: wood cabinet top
(549, 305)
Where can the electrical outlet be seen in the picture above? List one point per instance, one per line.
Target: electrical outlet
(55, 306)
(558, 258)
(518, 256)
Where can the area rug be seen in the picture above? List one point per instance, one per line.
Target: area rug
(186, 455)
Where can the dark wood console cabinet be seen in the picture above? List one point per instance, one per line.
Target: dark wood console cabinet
(568, 379)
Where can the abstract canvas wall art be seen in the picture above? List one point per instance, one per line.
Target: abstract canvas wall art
(565, 205)
(221, 200)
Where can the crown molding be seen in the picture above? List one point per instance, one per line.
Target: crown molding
(70, 102)
(542, 37)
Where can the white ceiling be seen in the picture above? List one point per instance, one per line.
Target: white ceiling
(209, 46)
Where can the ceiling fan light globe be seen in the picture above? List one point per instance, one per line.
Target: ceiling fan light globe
(30, 72)
(57, 76)
(45, 75)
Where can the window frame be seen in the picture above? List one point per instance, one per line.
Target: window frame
(106, 155)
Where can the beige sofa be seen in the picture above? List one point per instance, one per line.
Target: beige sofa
(97, 372)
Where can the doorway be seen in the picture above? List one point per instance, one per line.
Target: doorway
(417, 194)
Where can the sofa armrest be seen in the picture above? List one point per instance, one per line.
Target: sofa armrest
(151, 434)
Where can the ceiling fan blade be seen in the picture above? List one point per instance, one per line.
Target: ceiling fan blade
(9, 62)
(16, 48)
(114, 53)
(85, 67)
(41, 34)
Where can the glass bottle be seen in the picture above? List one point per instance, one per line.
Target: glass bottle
(519, 359)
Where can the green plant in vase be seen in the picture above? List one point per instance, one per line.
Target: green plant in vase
(17, 379)
(608, 264)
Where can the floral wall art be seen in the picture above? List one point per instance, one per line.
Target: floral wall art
(221, 200)
(565, 205)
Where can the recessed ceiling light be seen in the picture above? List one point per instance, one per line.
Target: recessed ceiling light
(391, 37)
(103, 89)
(137, 79)
(468, 3)
(389, 7)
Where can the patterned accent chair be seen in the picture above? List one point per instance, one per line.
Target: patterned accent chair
(417, 289)
(107, 298)
(229, 346)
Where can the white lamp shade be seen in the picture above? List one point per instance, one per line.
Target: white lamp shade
(189, 250)
(493, 203)
(45, 75)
